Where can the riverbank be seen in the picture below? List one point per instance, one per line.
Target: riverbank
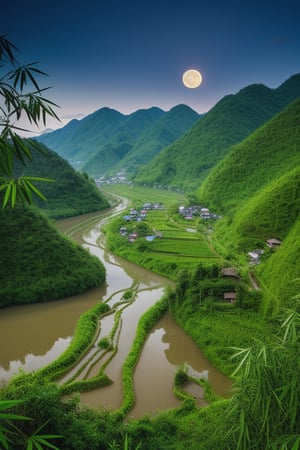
(215, 426)
(73, 357)
(189, 259)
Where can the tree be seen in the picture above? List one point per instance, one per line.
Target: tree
(21, 98)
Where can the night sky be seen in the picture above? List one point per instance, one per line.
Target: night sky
(129, 55)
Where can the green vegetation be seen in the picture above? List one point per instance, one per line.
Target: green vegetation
(254, 340)
(20, 97)
(280, 273)
(146, 322)
(10, 432)
(268, 154)
(265, 409)
(188, 161)
(263, 414)
(257, 187)
(177, 249)
(71, 193)
(216, 327)
(166, 129)
(140, 195)
(107, 141)
(55, 267)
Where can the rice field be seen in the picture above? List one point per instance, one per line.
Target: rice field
(179, 243)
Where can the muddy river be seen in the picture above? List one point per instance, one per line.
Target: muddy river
(32, 336)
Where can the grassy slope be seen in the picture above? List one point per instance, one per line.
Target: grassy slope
(40, 263)
(267, 154)
(257, 187)
(280, 274)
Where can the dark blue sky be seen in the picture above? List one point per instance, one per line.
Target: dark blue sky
(131, 54)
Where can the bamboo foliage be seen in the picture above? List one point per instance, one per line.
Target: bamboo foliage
(265, 409)
(20, 97)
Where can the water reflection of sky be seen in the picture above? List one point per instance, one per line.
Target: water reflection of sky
(32, 362)
(181, 350)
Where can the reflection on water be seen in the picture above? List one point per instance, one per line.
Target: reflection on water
(166, 349)
(32, 336)
(32, 362)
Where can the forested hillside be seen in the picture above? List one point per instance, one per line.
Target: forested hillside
(41, 264)
(70, 193)
(268, 154)
(187, 162)
(93, 130)
(165, 129)
(99, 143)
(257, 188)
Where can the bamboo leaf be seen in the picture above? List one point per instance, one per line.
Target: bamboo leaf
(37, 440)
(13, 194)
(5, 404)
(7, 195)
(40, 179)
(9, 416)
(34, 189)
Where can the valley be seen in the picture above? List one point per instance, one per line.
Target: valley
(235, 171)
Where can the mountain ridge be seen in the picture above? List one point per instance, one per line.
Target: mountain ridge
(105, 130)
(186, 163)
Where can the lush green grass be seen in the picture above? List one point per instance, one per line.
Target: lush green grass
(140, 194)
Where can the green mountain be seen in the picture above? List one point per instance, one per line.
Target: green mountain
(70, 194)
(257, 188)
(166, 129)
(40, 263)
(60, 136)
(187, 162)
(78, 144)
(99, 143)
(268, 154)
(107, 156)
(76, 141)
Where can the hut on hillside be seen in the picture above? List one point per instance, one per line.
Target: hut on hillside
(273, 242)
(230, 297)
(230, 272)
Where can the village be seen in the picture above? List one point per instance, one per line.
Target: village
(188, 213)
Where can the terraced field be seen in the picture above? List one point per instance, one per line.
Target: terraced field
(178, 244)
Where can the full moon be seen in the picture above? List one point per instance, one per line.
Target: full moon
(192, 78)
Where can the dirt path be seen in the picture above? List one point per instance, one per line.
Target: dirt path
(253, 281)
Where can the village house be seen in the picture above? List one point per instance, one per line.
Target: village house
(230, 272)
(273, 242)
(229, 297)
